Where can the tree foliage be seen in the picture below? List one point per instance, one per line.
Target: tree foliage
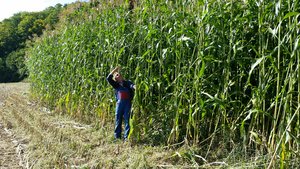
(14, 32)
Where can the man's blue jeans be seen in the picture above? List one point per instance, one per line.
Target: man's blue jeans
(122, 110)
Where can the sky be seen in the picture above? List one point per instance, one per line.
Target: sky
(10, 7)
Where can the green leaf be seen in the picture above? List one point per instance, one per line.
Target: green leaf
(202, 69)
(258, 61)
(255, 135)
(290, 14)
(253, 66)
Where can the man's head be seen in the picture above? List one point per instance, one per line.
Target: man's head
(118, 77)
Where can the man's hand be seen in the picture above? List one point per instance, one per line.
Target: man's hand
(117, 69)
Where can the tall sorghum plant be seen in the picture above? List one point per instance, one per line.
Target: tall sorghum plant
(212, 73)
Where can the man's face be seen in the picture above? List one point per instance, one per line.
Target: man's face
(118, 77)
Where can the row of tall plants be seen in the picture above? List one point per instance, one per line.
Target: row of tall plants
(211, 73)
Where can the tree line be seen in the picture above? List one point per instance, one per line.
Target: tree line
(16, 33)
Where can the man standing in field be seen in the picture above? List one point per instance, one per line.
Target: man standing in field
(124, 92)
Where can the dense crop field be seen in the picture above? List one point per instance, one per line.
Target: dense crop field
(219, 74)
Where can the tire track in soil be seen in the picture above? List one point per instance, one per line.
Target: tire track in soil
(8, 153)
(11, 150)
(38, 124)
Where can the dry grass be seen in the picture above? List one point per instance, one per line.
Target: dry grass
(58, 141)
